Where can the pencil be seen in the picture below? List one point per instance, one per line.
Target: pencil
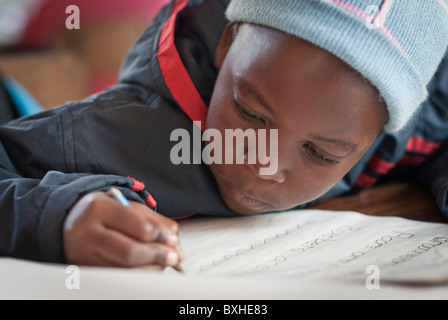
(119, 196)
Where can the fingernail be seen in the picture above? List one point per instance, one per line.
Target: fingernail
(172, 240)
(171, 259)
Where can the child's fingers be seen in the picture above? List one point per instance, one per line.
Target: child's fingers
(123, 251)
(148, 226)
(170, 239)
(168, 229)
(101, 231)
(165, 230)
(133, 221)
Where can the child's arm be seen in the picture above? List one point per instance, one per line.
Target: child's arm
(33, 216)
(102, 232)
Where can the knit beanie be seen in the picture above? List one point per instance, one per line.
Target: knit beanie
(395, 44)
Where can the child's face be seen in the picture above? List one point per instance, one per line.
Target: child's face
(327, 117)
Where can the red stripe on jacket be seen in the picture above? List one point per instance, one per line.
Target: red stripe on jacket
(380, 166)
(383, 167)
(139, 187)
(409, 160)
(421, 145)
(176, 76)
(174, 73)
(149, 200)
(365, 181)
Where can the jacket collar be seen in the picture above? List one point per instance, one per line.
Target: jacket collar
(174, 57)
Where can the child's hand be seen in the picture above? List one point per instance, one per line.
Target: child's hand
(100, 231)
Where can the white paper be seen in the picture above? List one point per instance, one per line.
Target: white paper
(316, 244)
(28, 280)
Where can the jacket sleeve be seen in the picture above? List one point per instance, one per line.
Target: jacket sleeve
(39, 183)
(32, 211)
(434, 173)
(435, 176)
(49, 160)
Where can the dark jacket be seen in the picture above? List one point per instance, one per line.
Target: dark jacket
(48, 161)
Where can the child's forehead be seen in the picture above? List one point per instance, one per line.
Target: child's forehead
(276, 49)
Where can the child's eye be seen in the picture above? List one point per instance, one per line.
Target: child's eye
(246, 115)
(317, 156)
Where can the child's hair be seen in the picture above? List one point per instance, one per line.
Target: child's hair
(396, 45)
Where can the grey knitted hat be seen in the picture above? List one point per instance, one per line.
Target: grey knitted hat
(396, 44)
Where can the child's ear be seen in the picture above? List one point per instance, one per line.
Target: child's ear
(225, 43)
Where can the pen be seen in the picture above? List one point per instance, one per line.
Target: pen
(117, 195)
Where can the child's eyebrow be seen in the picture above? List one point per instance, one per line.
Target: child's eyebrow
(249, 88)
(346, 145)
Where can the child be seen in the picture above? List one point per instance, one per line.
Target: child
(342, 82)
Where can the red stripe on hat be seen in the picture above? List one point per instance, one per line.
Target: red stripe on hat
(174, 73)
(368, 17)
(421, 145)
(380, 19)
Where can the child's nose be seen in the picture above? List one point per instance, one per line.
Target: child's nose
(278, 176)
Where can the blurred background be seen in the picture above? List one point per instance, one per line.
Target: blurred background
(40, 57)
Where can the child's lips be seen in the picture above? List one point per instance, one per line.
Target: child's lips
(243, 198)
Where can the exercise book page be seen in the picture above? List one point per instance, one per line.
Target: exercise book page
(316, 244)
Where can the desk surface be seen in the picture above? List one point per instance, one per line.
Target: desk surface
(399, 199)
